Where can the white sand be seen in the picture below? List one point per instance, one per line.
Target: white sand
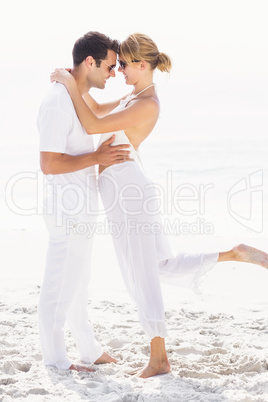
(217, 344)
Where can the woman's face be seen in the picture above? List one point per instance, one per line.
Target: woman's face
(130, 72)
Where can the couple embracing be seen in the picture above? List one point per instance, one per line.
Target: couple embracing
(68, 118)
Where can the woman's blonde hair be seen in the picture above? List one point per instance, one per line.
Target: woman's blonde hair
(139, 47)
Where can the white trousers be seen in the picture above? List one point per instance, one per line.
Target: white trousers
(143, 252)
(64, 297)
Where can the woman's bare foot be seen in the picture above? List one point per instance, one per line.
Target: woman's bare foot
(154, 368)
(244, 253)
(252, 255)
(158, 363)
(105, 358)
(82, 369)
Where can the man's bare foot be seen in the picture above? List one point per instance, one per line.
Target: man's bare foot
(245, 253)
(105, 358)
(153, 369)
(82, 369)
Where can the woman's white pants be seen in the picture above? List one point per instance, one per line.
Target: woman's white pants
(143, 252)
(64, 297)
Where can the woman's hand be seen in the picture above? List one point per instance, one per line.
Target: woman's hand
(63, 76)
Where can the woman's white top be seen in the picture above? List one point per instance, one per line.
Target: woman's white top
(120, 136)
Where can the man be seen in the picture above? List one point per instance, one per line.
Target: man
(67, 156)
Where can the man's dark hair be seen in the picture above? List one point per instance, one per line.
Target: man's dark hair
(93, 44)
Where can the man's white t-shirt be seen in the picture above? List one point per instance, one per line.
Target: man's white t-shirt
(72, 194)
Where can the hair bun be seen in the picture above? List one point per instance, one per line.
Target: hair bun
(164, 62)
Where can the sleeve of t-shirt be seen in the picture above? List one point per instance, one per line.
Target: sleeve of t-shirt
(54, 127)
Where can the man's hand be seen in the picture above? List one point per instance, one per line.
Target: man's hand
(109, 155)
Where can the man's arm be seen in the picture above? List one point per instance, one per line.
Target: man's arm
(57, 163)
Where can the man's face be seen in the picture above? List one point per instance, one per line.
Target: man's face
(99, 75)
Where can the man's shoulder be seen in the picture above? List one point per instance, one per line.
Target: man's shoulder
(58, 99)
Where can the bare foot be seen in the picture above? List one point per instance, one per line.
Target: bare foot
(154, 369)
(245, 253)
(83, 369)
(105, 358)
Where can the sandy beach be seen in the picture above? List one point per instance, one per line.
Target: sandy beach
(217, 343)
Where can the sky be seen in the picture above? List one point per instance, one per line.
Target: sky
(218, 49)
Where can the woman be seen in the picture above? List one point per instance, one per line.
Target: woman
(130, 199)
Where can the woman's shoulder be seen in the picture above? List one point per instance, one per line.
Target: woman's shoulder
(150, 102)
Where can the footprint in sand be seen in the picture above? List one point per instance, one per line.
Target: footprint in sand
(10, 367)
(184, 351)
(8, 323)
(116, 343)
(7, 344)
(7, 381)
(7, 352)
(38, 391)
(93, 384)
(100, 388)
(25, 367)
